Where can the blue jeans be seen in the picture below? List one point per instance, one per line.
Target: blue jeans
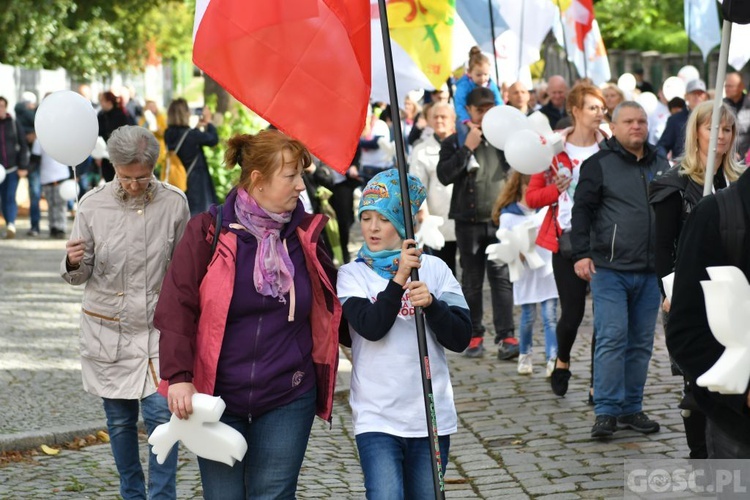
(35, 194)
(8, 197)
(472, 241)
(122, 423)
(625, 309)
(398, 468)
(549, 321)
(276, 444)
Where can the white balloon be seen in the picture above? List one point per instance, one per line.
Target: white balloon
(649, 102)
(527, 152)
(673, 87)
(626, 82)
(539, 123)
(2, 174)
(67, 127)
(688, 73)
(501, 122)
(68, 190)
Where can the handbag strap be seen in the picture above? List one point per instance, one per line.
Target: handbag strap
(182, 139)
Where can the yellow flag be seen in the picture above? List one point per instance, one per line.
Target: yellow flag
(424, 29)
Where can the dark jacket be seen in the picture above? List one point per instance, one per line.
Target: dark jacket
(14, 150)
(673, 197)
(673, 137)
(201, 192)
(689, 338)
(473, 193)
(553, 114)
(111, 120)
(613, 223)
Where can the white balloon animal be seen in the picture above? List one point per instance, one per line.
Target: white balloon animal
(521, 240)
(727, 296)
(202, 433)
(429, 233)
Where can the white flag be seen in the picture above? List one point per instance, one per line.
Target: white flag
(702, 24)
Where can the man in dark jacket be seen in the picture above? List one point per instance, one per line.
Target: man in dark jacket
(689, 338)
(14, 157)
(737, 98)
(25, 113)
(672, 140)
(554, 110)
(477, 172)
(613, 246)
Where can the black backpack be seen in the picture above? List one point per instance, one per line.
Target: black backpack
(732, 224)
(217, 228)
(736, 11)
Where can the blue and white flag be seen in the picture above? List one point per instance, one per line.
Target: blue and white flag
(702, 24)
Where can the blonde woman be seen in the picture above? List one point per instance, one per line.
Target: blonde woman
(673, 196)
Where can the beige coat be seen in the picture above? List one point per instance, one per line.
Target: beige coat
(129, 245)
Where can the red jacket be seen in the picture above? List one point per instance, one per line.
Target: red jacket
(193, 320)
(542, 192)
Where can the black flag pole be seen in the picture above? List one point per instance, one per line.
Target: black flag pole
(424, 360)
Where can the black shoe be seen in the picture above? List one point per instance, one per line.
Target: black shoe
(475, 349)
(507, 349)
(638, 422)
(559, 381)
(604, 426)
(590, 402)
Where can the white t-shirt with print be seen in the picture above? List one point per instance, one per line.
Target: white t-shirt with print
(386, 385)
(577, 155)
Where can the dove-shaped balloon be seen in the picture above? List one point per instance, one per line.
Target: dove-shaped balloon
(668, 283)
(727, 297)
(514, 243)
(202, 433)
(429, 234)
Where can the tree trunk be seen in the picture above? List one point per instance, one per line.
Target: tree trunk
(224, 101)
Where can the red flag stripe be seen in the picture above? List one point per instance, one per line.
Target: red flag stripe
(303, 65)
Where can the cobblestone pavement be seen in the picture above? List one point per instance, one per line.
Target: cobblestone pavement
(515, 440)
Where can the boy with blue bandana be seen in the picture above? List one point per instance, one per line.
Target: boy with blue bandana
(379, 302)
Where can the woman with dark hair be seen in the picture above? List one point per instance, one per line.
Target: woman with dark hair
(111, 117)
(257, 321)
(188, 144)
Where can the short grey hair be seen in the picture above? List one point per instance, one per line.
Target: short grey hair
(627, 104)
(130, 144)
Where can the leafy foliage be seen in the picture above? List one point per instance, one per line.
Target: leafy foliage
(642, 24)
(240, 121)
(93, 37)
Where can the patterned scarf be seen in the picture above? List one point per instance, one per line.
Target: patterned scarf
(273, 272)
(384, 262)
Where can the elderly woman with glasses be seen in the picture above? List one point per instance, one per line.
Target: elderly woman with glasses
(121, 244)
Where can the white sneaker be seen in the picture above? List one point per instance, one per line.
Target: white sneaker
(10, 232)
(524, 364)
(550, 367)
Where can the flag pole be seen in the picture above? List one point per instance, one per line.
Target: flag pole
(721, 73)
(494, 51)
(520, 42)
(565, 43)
(424, 360)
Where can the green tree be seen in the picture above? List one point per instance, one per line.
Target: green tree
(93, 37)
(642, 24)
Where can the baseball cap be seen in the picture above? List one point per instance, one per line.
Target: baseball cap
(695, 86)
(29, 97)
(480, 96)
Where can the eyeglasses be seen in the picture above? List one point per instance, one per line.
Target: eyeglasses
(595, 109)
(129, 180)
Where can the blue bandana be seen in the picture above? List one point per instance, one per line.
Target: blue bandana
(383, 195)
